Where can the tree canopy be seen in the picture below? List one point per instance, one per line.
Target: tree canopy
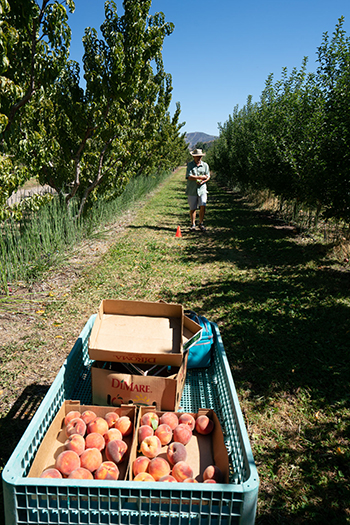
(85, 142)
(295, 142)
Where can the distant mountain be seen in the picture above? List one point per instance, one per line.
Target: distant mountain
(198, 136)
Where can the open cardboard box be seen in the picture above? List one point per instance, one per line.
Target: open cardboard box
(141, 332)
(113, 385)
(53, 443)
(202, 451)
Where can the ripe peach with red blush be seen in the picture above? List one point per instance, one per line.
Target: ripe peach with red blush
(209, 481)
(140, 464)
(169, 418)
(107, 470)
(99, 425)
(187, 419)
(95, 440)
(144, 476)
(80, 473)
(87, 416)
(190, 480)
(111, 418)
(124, 424)
(91, 459)
(67, 461)
(116, 450)
(151, 419)
(182, 434)
(168, 479)
(113, 433)
(164, 433)
(51, 473)
(204, 425)
(213, 472)
(73, 414)
(158, 468)
(182, 471)
(76, 426)
(75, 442)
(144, 431)
(151, 446)
(176, 452)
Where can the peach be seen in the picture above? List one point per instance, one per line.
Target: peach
(143, 476)
(151, 446)
(116, 450)
(75, 442)
(204, 425)
(88, 416)
(158, 468)
(73, 414)
(151, 419)
(182, 471)
(209, 481)
(107, 470)
(80, 473)
(113, 433)
(99, 424)
(182, 433)
(124, 424)
(76, 426)
(187, 419)
(67, 461)
(213, 472)
(190, 480)
(111, 418)
(143, 432)
(140, 465)
(164, 433)
(168, 478)
(95, 440)
(176, 452)
(169, 418)
(91, 459)
(51, 473)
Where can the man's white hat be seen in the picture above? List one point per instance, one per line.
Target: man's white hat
(197, 153)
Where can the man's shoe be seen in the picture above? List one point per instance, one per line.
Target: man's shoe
(202, 227)
(193, 227)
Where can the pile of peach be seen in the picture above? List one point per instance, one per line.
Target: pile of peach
(155, 432)
(94, 447)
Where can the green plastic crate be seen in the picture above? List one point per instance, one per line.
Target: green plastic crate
(50, 501)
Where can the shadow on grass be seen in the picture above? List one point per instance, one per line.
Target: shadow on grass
(285, 328)
(14, 425)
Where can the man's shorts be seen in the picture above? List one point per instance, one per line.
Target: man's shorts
(195, 201)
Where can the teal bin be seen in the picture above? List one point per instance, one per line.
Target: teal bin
(38, 501)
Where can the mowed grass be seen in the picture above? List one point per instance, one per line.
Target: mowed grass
(281, 302)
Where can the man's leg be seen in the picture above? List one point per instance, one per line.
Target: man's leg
(201, 214)
(193, 216)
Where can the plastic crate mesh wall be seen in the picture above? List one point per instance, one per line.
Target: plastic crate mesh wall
(135, 503)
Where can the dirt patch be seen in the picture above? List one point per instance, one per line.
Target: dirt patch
(35, 337)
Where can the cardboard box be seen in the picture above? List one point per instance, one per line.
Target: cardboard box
(53, 443)
(202, 451)
(141, 332)
(113, 385)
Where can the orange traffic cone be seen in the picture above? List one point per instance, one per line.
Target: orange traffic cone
(178, 232)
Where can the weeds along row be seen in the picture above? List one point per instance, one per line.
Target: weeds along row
(31, 246)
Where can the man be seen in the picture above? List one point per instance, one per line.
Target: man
(197, 175)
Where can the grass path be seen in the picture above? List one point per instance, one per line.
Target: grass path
(282, 305)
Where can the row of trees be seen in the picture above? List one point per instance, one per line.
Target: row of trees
(296, 141)
(84, 142)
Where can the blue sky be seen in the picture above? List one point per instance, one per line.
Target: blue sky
(222, 51)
